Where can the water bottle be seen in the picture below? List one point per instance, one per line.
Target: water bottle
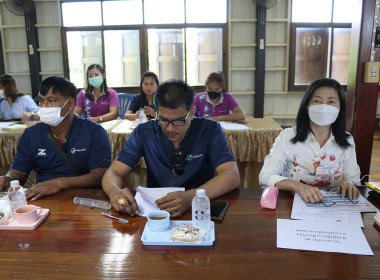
(93, 203)
(142, 117)
(16, 195)
(201, 210)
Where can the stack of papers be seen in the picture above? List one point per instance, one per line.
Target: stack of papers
(336, 213)
(233, 126)
(336, 228)
(13, 126)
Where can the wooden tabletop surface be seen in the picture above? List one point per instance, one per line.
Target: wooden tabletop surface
(77, 242)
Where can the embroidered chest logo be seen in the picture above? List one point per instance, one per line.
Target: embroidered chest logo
(191, 157)
(74, 151)
(41, 152)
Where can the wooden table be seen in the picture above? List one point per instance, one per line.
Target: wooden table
(78, 243)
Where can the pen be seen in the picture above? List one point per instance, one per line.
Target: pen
(117, 218)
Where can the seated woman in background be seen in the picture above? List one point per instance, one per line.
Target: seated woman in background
(15, 104)
(216, 103)
(144, 100)
(318, 152)
(98, 102)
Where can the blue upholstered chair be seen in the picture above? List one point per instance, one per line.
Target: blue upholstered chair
(124, 100)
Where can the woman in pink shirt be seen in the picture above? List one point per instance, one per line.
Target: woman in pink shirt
(98, 102)
(216, 103)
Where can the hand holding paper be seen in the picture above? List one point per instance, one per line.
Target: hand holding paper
(146, 198)
(176, 203)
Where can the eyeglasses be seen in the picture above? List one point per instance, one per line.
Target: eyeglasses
(163, 122)
(177, 165)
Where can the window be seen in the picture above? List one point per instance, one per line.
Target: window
(320, 36)
(174, 38)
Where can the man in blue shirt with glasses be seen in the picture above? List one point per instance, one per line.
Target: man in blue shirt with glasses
(179, 151)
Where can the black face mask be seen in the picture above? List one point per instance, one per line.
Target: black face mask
(213, 94)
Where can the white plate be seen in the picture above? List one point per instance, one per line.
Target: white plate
(163, 238)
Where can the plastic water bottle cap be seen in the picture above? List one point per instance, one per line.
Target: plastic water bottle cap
(15, 183)
(201, 192)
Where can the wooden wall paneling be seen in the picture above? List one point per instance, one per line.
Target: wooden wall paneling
(242, 9)
(294, 101)
(245, 101)
(15, 39)
(243, 81)
(49, 37)
(47, 12)
(33, 54)
(276, 32)
(51, 62)
(23, 83)
(10, 19)
(243, 33)
(362, 98)
(269, 104)
(280, 11)
(260, 61)
(49, 33)
(18, 63)
(242, 57)
(280, 104)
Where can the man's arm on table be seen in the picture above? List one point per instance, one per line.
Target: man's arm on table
(56, 185)
(113, 186)
(227, 178)
(11, 175)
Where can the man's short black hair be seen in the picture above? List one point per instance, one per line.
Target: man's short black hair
(58, 85)
(173, 94)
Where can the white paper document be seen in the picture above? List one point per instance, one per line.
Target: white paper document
(233, 126)
(301, 211)
(145, 198)
(324, 236)
(5, 124)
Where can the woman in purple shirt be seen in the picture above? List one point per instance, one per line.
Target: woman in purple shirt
(216, 103)
(98, 102)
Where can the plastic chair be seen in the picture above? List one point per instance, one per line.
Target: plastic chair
(124, 100)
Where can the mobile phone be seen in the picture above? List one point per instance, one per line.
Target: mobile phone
(218, 210)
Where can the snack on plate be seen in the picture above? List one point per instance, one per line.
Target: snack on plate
(187, 233)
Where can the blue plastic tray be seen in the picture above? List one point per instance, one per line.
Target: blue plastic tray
(163, 238)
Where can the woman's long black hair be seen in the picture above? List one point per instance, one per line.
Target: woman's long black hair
(142, 94)
(338, 128)
(10, 87)
(90, 88)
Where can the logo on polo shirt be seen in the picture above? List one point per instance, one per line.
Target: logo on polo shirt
(74, 151)
(191, 157)
(41, 152)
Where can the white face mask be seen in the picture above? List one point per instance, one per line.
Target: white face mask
(323, 114)
(52, 115)
(1, 93)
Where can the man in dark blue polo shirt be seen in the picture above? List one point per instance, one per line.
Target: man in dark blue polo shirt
(179, 150)
(84, 143)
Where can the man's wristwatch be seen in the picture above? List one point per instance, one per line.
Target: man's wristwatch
(100, 119)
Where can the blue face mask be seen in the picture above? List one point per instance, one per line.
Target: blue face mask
(95, 82)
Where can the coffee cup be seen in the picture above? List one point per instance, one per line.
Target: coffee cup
(158, 220)
(27, 214)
